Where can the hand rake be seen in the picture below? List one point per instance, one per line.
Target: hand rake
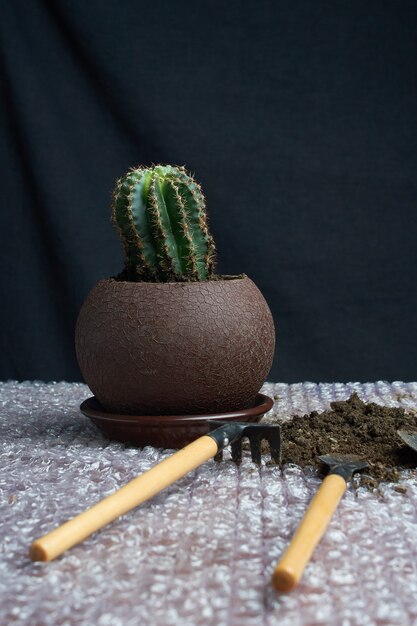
(155, 480)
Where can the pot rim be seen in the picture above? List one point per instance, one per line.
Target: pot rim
(218, 278)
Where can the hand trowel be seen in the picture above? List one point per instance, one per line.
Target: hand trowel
(290, 568)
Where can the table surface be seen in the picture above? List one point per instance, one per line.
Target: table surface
(202, 551)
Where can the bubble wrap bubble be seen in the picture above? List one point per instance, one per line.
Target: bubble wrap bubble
(201, 552)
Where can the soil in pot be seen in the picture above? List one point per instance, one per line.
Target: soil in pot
(352, 427)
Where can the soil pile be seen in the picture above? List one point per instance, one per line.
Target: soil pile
(352, 427)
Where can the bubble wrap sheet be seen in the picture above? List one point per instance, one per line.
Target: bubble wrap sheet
(201, 552)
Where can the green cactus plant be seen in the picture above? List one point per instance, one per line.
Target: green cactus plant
(160, 215)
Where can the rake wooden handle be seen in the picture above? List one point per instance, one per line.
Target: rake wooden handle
(128, 497)
(291, 567)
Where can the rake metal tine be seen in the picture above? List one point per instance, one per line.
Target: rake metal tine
(255, 446)
(269, 433)
(237, 451)
(275, 447)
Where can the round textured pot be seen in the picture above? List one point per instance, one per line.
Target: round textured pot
(175, 348)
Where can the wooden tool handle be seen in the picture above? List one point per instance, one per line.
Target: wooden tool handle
(131, 495)
(290, 568)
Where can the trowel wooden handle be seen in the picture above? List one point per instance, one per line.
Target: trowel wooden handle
(131, 495)
(290, 569)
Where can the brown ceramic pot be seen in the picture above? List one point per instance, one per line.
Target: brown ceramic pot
(175, 348)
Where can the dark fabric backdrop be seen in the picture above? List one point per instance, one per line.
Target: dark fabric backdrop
(299, 120)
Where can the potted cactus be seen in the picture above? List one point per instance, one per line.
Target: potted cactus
(168, 336)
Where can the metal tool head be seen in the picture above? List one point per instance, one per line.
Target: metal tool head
(409, 437)
(344, 465)
(225, 433)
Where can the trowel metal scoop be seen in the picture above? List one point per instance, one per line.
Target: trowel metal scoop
(409, 437)
(155, 480)
(291, 567)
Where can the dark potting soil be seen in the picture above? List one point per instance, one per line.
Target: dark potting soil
(352, 427)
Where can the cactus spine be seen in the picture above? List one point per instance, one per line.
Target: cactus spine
(161, 218)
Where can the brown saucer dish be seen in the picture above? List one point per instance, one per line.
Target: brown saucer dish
(166, 431)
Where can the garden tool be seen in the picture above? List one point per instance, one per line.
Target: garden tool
(291, 566)
(153, 481)
(409, 437)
